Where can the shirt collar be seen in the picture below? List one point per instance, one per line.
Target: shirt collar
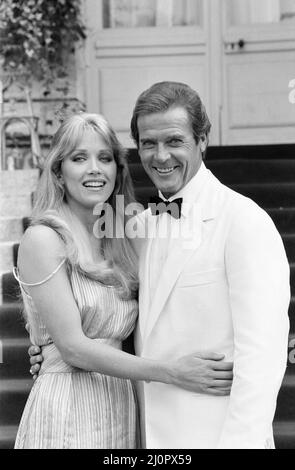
(191, 191)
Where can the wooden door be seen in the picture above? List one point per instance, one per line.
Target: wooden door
(258, 66)
(133, 44)
(238, 54)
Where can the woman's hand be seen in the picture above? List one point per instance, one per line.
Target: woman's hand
(205, 373)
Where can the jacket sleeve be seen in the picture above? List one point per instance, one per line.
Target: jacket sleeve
(259, 290)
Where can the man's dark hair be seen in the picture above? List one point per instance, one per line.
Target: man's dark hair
(165, 95)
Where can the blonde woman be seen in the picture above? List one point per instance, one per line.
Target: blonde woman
(79, 292)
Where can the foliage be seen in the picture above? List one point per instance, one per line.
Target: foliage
(37, 38)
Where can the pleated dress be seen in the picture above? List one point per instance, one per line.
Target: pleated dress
(70, 408)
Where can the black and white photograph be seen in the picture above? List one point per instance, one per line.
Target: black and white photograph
(147, 227)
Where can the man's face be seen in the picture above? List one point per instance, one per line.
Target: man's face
(167, 148)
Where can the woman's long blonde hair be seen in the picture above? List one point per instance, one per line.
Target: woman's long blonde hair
(50, 207)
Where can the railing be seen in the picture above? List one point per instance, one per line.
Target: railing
(31, 122)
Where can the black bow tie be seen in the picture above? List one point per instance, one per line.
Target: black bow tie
(158, 206)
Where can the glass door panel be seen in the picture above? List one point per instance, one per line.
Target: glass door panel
(253, 12)
(151, 13)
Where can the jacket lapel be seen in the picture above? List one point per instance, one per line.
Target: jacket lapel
(144, 271)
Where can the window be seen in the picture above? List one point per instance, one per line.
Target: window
(262, 11)
(151, 13)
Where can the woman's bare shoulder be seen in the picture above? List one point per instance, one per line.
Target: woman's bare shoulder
(41, 236)
(41, 243)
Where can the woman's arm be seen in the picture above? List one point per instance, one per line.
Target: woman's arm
(40, 252)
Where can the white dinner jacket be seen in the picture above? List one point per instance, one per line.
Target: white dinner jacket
(224, 290)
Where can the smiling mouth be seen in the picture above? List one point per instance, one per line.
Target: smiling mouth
(165, 171)
(94, 185)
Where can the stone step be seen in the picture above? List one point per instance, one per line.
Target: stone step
(12, 323)
(11, 229)
(291, 356)
(9, 251)
(290, 370)
(13, 397)
(18, 206)
(289, 243)
(9, 289)
(268, 195)
(231, 171)
(292, 315)
(6, 256)
(286, 398)
(18, 181)
(7, 436)
(292, 278)
(292, 311)
(284, 219)
(15, 253)
(16, 364)
(284, 432)
(14, 394)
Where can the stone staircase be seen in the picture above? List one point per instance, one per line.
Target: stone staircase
(16, 188)
(265, 173)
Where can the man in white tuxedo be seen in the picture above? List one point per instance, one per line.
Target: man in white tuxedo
(221, 284)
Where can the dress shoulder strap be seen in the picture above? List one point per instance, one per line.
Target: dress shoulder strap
(16, 275)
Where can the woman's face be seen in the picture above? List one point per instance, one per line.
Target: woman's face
(89, 172)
